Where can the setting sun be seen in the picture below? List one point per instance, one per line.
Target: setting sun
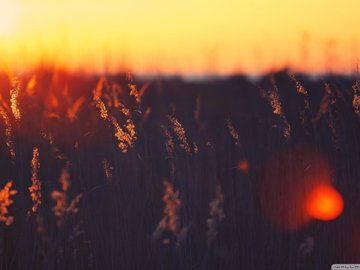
(324, 203)
(7, 17)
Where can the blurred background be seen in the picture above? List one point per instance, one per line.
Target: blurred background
(186, 37)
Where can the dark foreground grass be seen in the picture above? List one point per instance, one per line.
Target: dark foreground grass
(165, 174)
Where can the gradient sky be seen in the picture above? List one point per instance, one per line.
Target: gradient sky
(186, 36)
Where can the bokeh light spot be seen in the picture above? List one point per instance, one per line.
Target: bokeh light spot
(324, 203)
(289, 177)
(243, 166)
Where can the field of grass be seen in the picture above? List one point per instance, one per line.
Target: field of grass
(122, 173)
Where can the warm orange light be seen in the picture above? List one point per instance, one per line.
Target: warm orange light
(324, 203)
(243, 166)
(156, 37)
(285, 183)
(7, 17)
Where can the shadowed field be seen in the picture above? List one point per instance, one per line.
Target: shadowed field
(122, 173)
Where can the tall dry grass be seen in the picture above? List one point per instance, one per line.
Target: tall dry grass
(99, 201)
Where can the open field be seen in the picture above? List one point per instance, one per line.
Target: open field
(119, 172)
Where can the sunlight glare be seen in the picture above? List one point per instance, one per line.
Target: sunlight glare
(325, 203)
(7, 17)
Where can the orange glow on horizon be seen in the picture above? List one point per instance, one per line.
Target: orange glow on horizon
(186, 37)
(324, 203)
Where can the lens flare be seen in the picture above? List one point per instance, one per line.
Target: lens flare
(285, 184)
(324, 203)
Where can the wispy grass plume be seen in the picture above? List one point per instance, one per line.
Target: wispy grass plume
(14, 96)
(217, 215)
(8, 132)
(180, 134)
(5, 201)
(171, 220)
(35, 188)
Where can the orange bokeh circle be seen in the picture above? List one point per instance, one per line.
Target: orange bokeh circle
(286, 182)
(324, 203)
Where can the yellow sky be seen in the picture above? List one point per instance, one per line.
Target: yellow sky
(186, 36)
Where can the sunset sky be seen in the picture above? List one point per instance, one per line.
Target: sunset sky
(188, 36)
